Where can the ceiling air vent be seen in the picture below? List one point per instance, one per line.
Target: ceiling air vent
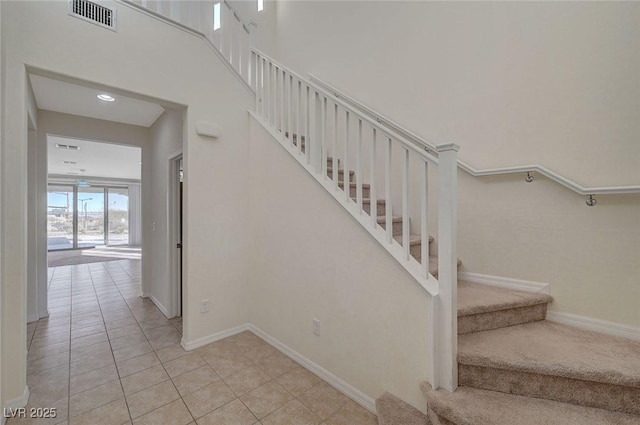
(97, 13)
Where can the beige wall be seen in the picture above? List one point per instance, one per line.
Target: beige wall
(141, 58)
(555, 84)
(312, 260)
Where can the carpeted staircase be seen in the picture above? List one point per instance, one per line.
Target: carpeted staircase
(515, 368)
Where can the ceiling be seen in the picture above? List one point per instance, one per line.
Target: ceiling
(67, 98)
(97, 159)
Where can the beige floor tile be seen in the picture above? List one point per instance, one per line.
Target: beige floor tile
(87, 331)
(50, 391)
(292, 413)
(125, 330)
(119, 323)
(246, 380)
(298, 380)
(209, 398)
(234, 413)
(229, 364)
(266, 399)
(137, 364)
(161, 332)
(151, 398)
(89, 340)
(154, 323)
(48, 362)
(174, 413)
(165, 341)
(95, 397)
(145, 379)
(171, 352)
(127, 340)
(48, 350)
(183, 364)
(89, 380)
(132, 351)
(352, 414)
(275, 365)
(195, 379)
(55, 374)
(90, 350)
(323, 400)
(90, 363)
(114, 413)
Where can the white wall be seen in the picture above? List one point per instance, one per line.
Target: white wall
(38, 34)
(312, 260)
(555, 84)
(166, 139)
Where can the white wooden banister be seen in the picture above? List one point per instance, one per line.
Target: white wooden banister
(447, 330)
(325, 126)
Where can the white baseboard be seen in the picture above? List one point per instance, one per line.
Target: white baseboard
(19, 401)
(353, 393)
(506, 282)
(596, 325)
(158, 304)
(197, 343)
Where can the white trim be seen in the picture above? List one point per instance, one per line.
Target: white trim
(158, 304)
(596, 325)
(20, 401)
(409, 135)
(200, 342)
(506, 282)
(353, 393)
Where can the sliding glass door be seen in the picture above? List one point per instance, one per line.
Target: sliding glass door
(60, 213)
(91, 217)
(118, 201)
(86, 217)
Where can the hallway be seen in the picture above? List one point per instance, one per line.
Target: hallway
(107, 356)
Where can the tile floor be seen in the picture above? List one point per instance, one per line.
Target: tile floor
(107, 356)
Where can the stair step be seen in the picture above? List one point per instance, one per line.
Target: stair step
(469, 406)
(556, 362)
(415, 249)
(380, 209)
(483, 307)
(341, 174)
(393, 411)
(353, 187)
(396, 224)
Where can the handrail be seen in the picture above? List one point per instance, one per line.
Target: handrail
(236, 15)
(409, 135)
(430, 153)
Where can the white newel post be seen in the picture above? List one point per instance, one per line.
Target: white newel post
(447, 312)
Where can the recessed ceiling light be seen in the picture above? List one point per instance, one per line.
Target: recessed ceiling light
(106, 97)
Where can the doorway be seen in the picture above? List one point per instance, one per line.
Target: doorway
(176, 220)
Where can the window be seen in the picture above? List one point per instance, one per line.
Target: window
(216, 16)
(260, 5)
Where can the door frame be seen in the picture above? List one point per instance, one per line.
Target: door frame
(173, 233)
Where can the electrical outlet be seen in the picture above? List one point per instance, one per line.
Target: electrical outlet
(204, 306)
(316, 327)
(153, 227)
